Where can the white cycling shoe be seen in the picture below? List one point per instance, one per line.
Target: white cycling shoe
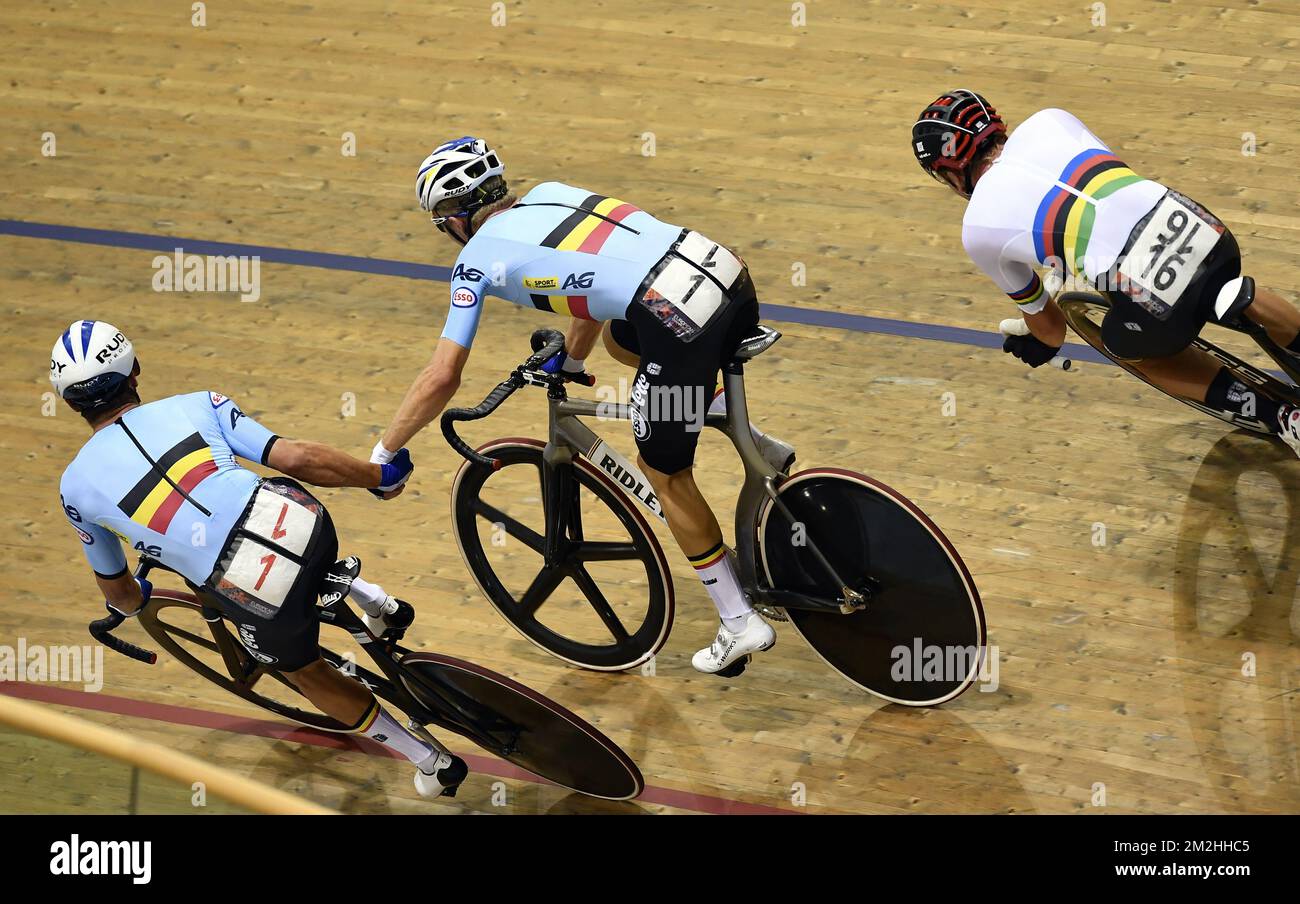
(440, 775)
(730, 652)
(1288, 418)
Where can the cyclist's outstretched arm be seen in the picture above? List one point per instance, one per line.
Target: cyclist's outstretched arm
(428, 395)
(581, 337)
(322, 465)
(1048, 325)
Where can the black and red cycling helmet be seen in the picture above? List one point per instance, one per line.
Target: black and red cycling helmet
(952, 130)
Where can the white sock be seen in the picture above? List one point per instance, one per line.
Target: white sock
(737, 624)
(379, 726)
(371, 598)
(719, 579)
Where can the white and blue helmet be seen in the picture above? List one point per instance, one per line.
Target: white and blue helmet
(90, 362)
(459, 177)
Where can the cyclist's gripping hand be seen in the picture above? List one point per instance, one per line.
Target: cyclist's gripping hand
(571, 368)
(1019, 341)
(395, 469)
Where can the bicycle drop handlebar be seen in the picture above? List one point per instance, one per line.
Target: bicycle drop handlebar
(102, 628)
(546, 345)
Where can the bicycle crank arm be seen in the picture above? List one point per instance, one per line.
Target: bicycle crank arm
(789, 599)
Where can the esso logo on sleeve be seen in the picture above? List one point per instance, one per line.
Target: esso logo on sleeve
(464, 298)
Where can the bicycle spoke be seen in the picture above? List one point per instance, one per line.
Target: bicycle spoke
(204, 642)
(575, 519)
(540, 590)
(600, 604)
(521, 532)
(593, 551)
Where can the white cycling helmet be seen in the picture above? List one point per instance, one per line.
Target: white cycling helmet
(90, 362)
(458, 178)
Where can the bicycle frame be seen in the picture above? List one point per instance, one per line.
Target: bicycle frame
(454, 715)
(566, 433)
(1279, 355)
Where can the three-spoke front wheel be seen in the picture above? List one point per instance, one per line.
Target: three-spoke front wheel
(605, 601)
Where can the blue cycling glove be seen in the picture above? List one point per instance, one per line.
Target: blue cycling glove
(394, 473)
(573, 368)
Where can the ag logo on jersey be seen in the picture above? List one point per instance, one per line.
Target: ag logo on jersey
(579, 280)
(467, 273)
(464, 298)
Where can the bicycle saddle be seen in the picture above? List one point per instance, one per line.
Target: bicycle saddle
(338, 580)
(1236, 295)
(753, 346)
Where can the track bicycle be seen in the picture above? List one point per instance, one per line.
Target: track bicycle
(497, 713)
(1084, 312)
(868, 580)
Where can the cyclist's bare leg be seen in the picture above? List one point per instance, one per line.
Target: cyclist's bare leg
(1187, 374)
(616, 351)
(1277, 315)
(349, 701)
(692, 522)
(332, 692)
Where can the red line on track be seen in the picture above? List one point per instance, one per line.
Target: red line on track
(284, 731)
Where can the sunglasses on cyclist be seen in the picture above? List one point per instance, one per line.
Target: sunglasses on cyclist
(462, 205)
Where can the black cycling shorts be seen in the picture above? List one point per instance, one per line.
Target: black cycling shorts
(674, 384)
(290, 639)
(1131, 332)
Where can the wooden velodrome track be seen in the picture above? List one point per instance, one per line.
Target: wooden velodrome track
(1121, 664)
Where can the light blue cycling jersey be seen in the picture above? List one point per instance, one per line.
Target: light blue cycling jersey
(111, 488)
(560, 249)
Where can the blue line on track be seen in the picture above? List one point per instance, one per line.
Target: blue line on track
(777, 313)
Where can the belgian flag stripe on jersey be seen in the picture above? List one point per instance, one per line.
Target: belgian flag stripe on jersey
(580, 231)
(569, 223)
(153, 502)
(573, 305)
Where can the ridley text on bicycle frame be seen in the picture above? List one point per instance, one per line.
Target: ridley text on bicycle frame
(626, 475)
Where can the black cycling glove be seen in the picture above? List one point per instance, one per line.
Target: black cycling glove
(1030, 349)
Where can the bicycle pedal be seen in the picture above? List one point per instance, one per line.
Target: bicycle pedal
(771, 613)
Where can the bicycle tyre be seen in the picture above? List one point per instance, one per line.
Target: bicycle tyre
(544, 737)
(926, 595)
(639, 645)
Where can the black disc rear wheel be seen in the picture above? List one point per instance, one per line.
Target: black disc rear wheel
(523, 727)
(920, 641)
